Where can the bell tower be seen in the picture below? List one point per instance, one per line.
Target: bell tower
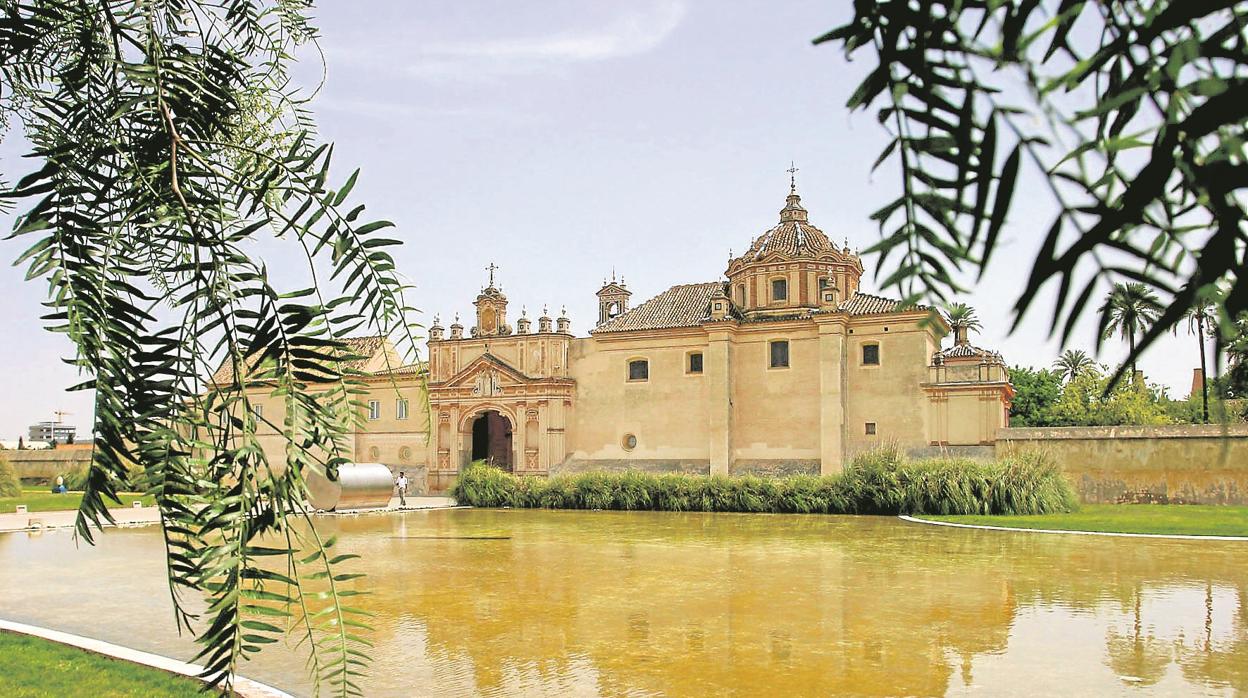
(612, 299)
(491, 310)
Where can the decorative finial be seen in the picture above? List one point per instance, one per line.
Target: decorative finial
(524, 311)
(457, 318)
(792, 177)
(544, 309)
(492, 268)
(613, 274)
(563, 311)
(437, 319)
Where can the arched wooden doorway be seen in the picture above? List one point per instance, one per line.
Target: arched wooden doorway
(492, 439)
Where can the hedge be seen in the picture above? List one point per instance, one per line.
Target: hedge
(878, 482)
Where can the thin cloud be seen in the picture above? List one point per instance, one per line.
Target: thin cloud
(636, 32)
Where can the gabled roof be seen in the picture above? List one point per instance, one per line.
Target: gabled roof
(686, 305)
(361, 349)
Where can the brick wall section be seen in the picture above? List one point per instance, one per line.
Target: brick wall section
(1195, 464)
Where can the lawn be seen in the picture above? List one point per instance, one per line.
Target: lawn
(1196, 520)
(40, 499)
(31, 666)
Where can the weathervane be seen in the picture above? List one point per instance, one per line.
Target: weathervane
(792, 177)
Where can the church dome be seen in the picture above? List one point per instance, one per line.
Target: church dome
(793, 236)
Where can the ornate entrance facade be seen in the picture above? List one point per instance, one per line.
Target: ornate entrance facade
(498, 394)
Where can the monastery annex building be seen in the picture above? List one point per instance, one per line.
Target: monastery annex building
(784, 367)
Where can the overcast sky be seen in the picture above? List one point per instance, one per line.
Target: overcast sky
(562, 140)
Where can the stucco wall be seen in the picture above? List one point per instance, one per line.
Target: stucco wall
(667, 412)
(47, 464)
(1192, 463)
(890, 394)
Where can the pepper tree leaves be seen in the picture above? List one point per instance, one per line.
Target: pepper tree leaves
(166, 139)
(1152, 100)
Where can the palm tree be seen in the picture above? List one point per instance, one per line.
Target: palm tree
(1197, 317)
(1129, 309)
(962, 319)
(1072, 362)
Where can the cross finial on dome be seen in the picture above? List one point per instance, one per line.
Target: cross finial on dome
(492, 268)
(792, 177)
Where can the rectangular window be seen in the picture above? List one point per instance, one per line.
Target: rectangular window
(870, 355)
(870, 428)
(779, 290)
(374, 410)
(400, 408)
(639, 370)
(257, 411)
(780, 354)
(695, 362)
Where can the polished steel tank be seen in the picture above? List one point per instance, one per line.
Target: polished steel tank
(359, 486)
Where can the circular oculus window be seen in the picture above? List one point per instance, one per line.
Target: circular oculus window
(629, 442)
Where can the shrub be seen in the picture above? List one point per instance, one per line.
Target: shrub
(877, 482)
(10, 485)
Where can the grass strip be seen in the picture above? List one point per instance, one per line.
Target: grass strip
(1167, 519)
(32, 667)
(40, 499)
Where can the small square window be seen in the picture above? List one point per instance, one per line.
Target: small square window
(870, 428)
(695, 362)
(870, 355)
(400, 408)
(780, 354)
(779, 290)
(639, 370)
(374, 410)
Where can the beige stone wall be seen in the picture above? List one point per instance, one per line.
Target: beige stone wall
(775, 411)
(400, 444)
(668, 413)
(891, 394)
(1193, 463)
(741, 415)
(47, 464)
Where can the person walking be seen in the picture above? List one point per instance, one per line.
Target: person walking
(402, 485)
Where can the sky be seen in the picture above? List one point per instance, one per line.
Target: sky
(566, 141)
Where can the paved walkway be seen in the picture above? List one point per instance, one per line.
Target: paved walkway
(151, 515)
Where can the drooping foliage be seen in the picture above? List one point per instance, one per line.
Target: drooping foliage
(1132, 114)
(878, 482)
(167, 141)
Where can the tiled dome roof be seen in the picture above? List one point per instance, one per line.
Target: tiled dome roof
(793, 236)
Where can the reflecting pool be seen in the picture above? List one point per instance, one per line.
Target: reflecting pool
(485, 602)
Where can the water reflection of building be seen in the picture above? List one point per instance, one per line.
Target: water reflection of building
(782, 605)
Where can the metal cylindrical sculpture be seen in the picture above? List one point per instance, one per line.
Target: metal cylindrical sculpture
(359, 486)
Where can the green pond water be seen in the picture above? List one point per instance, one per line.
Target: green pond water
(649, 604)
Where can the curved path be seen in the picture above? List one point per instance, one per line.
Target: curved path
(244, 687)
(1172, 536)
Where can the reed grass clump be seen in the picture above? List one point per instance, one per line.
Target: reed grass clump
(882, 481)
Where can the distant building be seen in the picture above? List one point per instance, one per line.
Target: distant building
(52, 431)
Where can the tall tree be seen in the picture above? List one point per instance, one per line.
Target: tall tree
(166, 139)
(1129, 310)
(1130, 114)
(1072, 362)
(1199, 318)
